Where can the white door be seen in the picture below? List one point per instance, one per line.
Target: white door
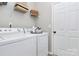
(66, 25)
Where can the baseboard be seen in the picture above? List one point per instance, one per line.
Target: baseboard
(51, 54)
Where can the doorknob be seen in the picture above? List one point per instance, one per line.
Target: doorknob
(54, 32)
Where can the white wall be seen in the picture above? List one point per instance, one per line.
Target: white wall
(18, 19)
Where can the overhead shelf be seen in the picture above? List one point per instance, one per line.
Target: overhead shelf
(21, 7)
